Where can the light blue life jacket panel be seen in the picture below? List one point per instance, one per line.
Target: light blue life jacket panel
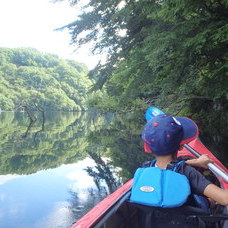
(157, 187)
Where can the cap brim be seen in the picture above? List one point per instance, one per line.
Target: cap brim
(147, 148)
(190, 129)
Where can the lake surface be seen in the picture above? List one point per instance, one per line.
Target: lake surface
(54, 170)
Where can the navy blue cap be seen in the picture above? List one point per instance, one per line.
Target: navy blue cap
(163, 134)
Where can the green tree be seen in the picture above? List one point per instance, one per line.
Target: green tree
(36, 81)
(158, 52)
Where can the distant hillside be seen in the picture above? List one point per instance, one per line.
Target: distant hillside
(30, 79)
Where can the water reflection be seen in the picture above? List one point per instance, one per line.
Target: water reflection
(66, 138)
(48, 198)
(53, 172)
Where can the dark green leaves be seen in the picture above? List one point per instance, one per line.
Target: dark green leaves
(159, 51)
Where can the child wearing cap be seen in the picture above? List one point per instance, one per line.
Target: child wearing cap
(163, 135)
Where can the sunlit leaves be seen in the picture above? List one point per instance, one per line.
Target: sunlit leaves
(41, 81)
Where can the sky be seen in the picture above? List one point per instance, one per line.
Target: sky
(31, 23)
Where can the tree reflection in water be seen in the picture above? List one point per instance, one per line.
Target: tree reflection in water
(102, 172)
(80, 207)
(112, 141)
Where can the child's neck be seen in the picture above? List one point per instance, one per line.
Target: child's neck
(163, 161)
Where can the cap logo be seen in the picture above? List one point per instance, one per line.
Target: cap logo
(176, 121)
(147, 189)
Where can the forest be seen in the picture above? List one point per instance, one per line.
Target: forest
(167, 53)
(35, 81)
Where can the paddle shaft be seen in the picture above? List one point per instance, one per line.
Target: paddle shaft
(213, 167)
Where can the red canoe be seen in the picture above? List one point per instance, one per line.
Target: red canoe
(111, 211)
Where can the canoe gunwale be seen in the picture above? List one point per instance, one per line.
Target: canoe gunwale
(113, 209)
(96, 213)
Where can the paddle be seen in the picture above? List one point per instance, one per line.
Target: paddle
(154, 111)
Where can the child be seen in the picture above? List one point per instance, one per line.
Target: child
(163, 135)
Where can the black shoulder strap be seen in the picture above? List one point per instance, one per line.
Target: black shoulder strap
(152, 164)
(148, 164)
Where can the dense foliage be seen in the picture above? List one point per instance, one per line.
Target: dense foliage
(36, 81)
(158, 52)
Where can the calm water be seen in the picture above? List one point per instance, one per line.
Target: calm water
(54, 170)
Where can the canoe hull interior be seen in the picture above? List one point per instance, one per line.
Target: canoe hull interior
(137, 216)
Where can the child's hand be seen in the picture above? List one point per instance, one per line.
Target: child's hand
(203, 161)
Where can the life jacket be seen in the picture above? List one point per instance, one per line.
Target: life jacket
(157, 187)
